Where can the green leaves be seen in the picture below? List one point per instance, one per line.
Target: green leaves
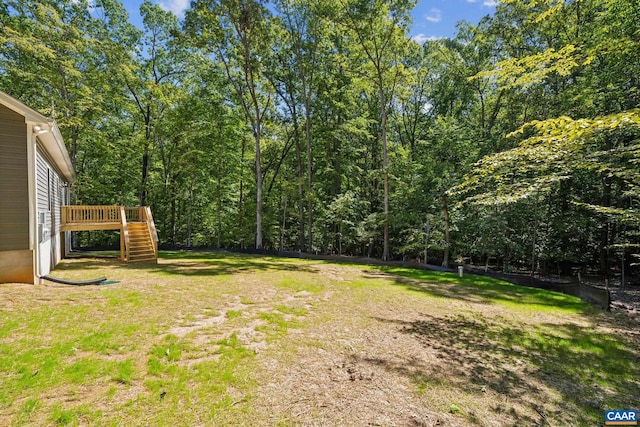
(533, 69)
(554, 150)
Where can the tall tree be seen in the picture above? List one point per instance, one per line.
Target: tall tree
(236, 32)
(295, 60)
(162, 61)
(380, 30)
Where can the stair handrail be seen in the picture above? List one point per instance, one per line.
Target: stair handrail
(152, 229)
(124, 236)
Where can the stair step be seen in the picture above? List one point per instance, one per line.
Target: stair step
(139, 257)
(142, 253)
(144, 243)
(141, 247)
(148, 259)
(139, 241)
(139, 254)
(137, 249)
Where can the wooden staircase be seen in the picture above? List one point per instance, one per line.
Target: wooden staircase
(138, 234)
(141, 248)
(139, 238)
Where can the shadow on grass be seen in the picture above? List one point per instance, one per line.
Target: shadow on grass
(590, 371)
(193, 264)
(482, 289)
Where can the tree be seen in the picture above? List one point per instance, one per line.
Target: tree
(236, 32)
(161, 63)
(295, 59)
(379, 28)
(589, 160)
(67, 62)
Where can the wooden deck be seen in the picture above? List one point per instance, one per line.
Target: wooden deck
(138, 235)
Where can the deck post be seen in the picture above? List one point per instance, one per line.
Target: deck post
(122, 245)
(152, 228)
(124, 237)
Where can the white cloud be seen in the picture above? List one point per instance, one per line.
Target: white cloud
(420, 38)
(176, 6)
(490, 3)
(435, 15)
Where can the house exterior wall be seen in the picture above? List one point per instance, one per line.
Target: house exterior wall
(16, 254)
(49, 198)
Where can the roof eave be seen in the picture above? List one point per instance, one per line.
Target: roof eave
(53, 144)
(49, 134)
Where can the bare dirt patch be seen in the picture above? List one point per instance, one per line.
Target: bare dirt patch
(391, 361)
(249, 342)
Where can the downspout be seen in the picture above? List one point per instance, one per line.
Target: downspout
(34, 245)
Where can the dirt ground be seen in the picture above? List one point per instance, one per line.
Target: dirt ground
(626, 300)
(366, 348)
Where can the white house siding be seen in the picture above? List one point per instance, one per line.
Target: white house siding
(49, 198)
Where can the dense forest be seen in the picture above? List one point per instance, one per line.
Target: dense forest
(320, 126)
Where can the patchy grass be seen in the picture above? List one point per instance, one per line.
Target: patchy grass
(490, 290)
(219, 339)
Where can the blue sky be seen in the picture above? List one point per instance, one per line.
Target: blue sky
(432, 19)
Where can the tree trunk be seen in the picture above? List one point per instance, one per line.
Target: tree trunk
(190, 216)
(385, 167)
(307, 132)
(219, 210)
(258, 190)
(241, 198)
(300, 178)
(257, 129)
(447, 236)
(284, 222)
(145, 158)
(427, 232)
(605, 233)
(173, 220)
(145, 175)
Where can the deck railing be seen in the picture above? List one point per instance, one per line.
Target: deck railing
(100, 214)
(148, 218)
(90, 214)
(134, 213)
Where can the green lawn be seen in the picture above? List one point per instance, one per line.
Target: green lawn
(224, 339)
